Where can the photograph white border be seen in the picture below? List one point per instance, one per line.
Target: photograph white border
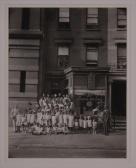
(130, 161)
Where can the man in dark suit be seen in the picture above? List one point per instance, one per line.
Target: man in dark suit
(106, 120)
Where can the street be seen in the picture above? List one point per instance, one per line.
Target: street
(67, 146)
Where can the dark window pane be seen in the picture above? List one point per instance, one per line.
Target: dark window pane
(64, 18)
(121, 17)
(63, 56)
(22, 81)
(121, 56)
(25, 18)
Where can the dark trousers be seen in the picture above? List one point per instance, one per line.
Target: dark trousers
(106, 128)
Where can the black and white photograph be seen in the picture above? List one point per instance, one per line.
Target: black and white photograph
(67, 82)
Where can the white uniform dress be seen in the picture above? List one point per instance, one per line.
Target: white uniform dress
(60, 119)
(71, 120)
(65, 119)
(32, 118)
(39, 118)
(28, 116)
(18, 120)
(89, 123)
(57, 116)
(94, 124)
(80, 122)
(53, 118)
(44, 118)
(84, 123)
(76, 123)
(23, 120)
(37, 130)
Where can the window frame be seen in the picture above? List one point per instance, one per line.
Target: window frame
(58, 56)
(92, 26)
(22, 81)
(102, 76)
(91, 62)
(121, 26)
(25, 22)
(63, 25)
(119, 56)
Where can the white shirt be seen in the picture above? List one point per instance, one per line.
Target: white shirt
(76, 123)
(60, 118)
(65, 118)
(94, 124)
(39, 115)
(18, 119)
(28, 116)
(53, 119)
(89, 122)
(85, 123)
(81, 122)
(71, 118)
(14, 112)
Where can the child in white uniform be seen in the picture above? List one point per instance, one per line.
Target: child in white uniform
(14, 112)
(81, 122)
(54, 129)
(65, 129)
(18, 121)
(76, 124)
(23, 123)
(53, 118)
(48, 130)
(32, 118)
(60, 119)
(49, 118)
(85, 123)
(39, 117)
(71, 121)
(89, 123)
(28, 116)
(36, 129)
(65, 118)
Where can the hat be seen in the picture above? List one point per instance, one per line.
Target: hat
(96, 109)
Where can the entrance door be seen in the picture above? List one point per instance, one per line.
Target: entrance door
(118, 98)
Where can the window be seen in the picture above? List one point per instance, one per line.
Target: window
(64, 20)
(121, 56)
(63, 56)
(121, 17)
(99, 81)
(22, 81)
(92, 55)
(92, 17)
(25, 18)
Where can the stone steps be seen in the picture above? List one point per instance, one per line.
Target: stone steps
(119, 123)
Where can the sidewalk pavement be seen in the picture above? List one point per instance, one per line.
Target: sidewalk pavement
(115, 141)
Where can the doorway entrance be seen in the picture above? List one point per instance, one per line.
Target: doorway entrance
(118, 98)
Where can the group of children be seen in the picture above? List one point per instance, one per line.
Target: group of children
(53, 115)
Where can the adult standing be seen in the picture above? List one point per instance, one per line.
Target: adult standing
(14, 112)
(106, 120)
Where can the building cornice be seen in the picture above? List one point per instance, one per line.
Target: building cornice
(86, 69)
(25, 34)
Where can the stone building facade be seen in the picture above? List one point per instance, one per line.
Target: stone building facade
(79, 51)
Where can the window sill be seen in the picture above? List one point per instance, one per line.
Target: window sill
(91, 64)
(64, 29)
(92, 27)
(121, 29)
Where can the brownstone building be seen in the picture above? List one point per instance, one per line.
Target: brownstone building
(79, 51)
